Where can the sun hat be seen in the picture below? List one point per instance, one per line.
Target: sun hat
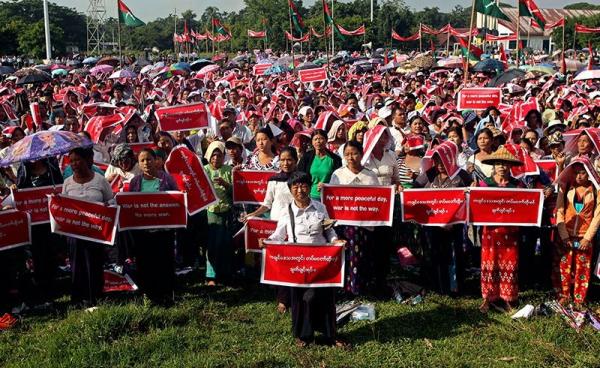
(502, 155)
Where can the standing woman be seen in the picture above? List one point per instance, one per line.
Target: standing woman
(154, 249)
(499, 244)
(313, 309)
(336, 137)
(87, 258)
(359, 250)
(277, 200)
(219, 255)
(475, 165)
(263, 158)
(577, 221)
(319, 163)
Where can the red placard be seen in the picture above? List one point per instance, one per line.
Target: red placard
(502, 206)
(116, 282)
(86, 220)
(159, 210)
(15, 229)
(312, 75)
(260, 69)
(434, 207)
(185, 167)
(257, 228)
(250, 186)
(302, 265)
(478, 98)
(549, 167)
(35, 202)
(359, 205)
(182, 117)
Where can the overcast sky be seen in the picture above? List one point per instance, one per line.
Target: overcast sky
(148, 10)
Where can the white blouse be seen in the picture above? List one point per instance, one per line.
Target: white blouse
(386, 169)
(343, 176)
(308, 223)
(277, 198)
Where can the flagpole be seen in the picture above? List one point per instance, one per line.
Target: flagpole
(518, 30)
(47, 30)
(563, 51)
(212, 23)
(291, 34)
(325, 34)
(332, 32)
(469, 45)
(420, 39)
(301, 35)
(448, 42)
(119, 36)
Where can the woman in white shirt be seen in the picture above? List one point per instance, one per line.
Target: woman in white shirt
(359, 258)
(87, 258)
(277, 200)
(313, 309)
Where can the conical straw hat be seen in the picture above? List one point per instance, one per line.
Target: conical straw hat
(503, 155)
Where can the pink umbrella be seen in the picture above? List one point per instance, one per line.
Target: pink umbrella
(100, 69)
(209, 69)
(59, 66)
(123, 73)
(588, 74)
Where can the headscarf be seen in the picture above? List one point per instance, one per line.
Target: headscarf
(357, 127)
(120, 153)
(215, 145)
(332, 133)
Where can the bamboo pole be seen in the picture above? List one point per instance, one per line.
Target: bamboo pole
(466, 79)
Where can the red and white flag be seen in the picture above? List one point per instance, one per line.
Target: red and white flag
(257, 34)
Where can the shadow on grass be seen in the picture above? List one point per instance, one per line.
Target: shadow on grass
(442, 321)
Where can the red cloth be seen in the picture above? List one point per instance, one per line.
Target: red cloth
(574, 266)
(499, 263)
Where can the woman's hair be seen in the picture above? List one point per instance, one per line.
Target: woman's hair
(85, 153)
(266, 131)
(317, 132)
(528, 143)
(291, 151)
(148, 151)
(487, 131)
(354, 144)
(164, 134)
(456, 130)
(299, 177)
(490, 109)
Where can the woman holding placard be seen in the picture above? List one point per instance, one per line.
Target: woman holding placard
(319, 163)
(499, 244)
(359, 249)
(154, 249)
(87, 258)
(313, 309)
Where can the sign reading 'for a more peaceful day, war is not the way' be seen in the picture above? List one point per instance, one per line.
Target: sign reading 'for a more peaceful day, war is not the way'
(359, 205)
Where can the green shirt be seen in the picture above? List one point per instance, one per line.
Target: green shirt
(151, 185)
(320, 171)
(224, 195)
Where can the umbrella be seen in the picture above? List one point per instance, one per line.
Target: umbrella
(44, 144)
(32, 75)
(574, 65)
(90, 60)
(307, 65)
(209, 69)
(146, 69)
(180, 68)
(199, 64)
(108, 60)
(58, 72)
(488, 65)
(99, 69)
(74, 63)
(506, 77)
(6, 70)
(276, 69)
(123, 73)
(80, 71)
(539, 69)
(450, 63)
(588, 74)
(58, 66)
(389, 66)
(43, 67)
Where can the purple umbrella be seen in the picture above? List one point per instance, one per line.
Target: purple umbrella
(123, 73)
(43, 144)
(101, 69)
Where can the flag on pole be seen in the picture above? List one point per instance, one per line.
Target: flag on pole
(489, 7)
(257, 34)
(528, 8)
(296, 17)
(471, 52)
(219, 27)
(126, 16)
(591, 59)
(558, 23)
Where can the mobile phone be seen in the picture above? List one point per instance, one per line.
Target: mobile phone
(576, 244)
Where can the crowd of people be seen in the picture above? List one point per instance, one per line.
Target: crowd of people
(359, 128)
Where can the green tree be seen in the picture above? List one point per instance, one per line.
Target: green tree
(582, 6)
(582, 38)
(32, 39)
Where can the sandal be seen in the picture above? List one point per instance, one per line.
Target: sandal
(301, 343)
(484, 307)
(341, 344)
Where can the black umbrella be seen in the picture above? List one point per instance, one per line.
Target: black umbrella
(488, 65)
(506, 77)
(307, 65)
(34, 78)
(74, 63)
(6, 70)
(199, 64)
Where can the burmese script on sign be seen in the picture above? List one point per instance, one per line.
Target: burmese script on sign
(434, 207)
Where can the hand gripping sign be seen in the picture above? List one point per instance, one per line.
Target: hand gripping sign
(250, 186)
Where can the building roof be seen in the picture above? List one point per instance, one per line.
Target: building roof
(551, 16)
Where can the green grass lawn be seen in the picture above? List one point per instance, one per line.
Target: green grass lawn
(239, 327)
